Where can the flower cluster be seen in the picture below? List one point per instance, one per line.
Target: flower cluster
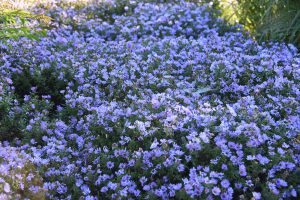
(156, 101)
(18, 176)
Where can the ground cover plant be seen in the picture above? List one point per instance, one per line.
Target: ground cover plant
(147, 100)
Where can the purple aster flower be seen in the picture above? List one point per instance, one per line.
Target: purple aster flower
(176, 186)
(85, 189)
(110, 165)
(242, 170)
(29, 128)
(273, 188)
(136, 193)
(180, 168)
(224, 167)
(238, 185)
(146, 187)
(281, 183)
(104, 189)
(225, 183)
(112, 186)
(256, 195)
(6, 188)
(262, 159)
(294, 193)
(216, 191)
(143, 180)
(124, 192)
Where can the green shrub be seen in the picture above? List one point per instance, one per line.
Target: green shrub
(46, 82)
(275, 20)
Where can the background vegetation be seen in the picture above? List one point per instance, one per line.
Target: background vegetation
(276, 20)
(16, 22)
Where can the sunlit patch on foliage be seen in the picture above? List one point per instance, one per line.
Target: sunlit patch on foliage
(19, 178)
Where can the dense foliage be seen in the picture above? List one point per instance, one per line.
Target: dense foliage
(277, 20)
(131, 100)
